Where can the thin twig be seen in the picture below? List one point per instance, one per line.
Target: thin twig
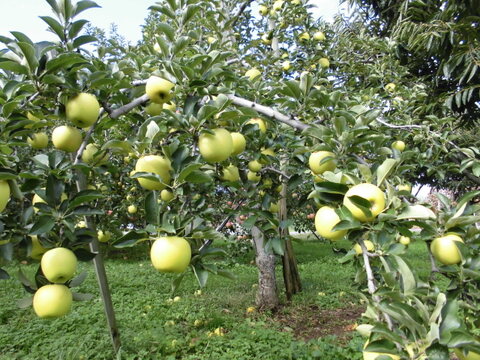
(279, 172)
(399, 126)
(240, 12)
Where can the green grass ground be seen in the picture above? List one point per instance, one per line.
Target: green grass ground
(153, 327)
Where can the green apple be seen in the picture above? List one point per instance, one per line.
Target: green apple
(154, 109)
(325, 220)
(390, 87)
(66, 138)
(266, 39)
(253, 176)
(158, 89)
(286, 65)
(154, 164)
(368, 244)
(215, 147)
(239, 143)
(230, 173)
(324, 63)
(398, 145)
(59, 265)
(470, 355)
(38, 140)
(263, 10)
(445, 250)
(255, 166)
(252, 74)
(166, 195)
(260, 123)
(170, 254)
(91, 155)
(83, 110)
(104, 236)
(369, 192)
(319, 36)
(304, 36)
(132, 209)
(404, 240)
(4, 194)
(274, 207)
(317, 166)
(52, 301)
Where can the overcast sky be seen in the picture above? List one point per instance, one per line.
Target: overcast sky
(128, 15)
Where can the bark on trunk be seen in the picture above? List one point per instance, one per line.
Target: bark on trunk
(267, 295)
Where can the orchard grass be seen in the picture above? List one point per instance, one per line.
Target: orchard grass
(317, 324)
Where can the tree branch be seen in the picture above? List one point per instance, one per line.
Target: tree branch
(279, 172)
(127, 107)
(240, 12)
(268, 111)
(399, 126)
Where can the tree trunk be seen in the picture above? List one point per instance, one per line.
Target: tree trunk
(267, 296)
(291, 276)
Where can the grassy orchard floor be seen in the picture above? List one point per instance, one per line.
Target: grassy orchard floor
(313, 326)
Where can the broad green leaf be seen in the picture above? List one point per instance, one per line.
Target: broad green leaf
(29, 53)
(13, 66)
(167, 30)
(416, 212)
(152, 208)
(187, 170)
(55, 26)
(198, 177)
(83, 5)
(384, 170)
(82, 40)
(44, 224)
(409, 283)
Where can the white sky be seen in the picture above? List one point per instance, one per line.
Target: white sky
(128, 15)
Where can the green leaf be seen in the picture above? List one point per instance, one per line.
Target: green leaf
(200, 274)
(82, 297)
(55, 26)
(76, 27)
(151, 208)
(64, 61)
(21, 37)
(25, 302)
(416, 212)
(189, 13)
(167, 30)
(461, 221)
(29, 53)
(131, 238)
(82, 40)
(227, 274)
(84, 5)
(43, 224)
(409, 283)
(83, 197)
(384, 170)
(187, 170)
(177, 281)
(198, 177)
(13, 66)
(78, 280)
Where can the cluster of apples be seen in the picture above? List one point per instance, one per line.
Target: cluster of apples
(55, 300)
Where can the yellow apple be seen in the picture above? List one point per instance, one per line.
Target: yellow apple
(154, 164)
(304, 36)
(170, 254)
(319, 36)
(211, 39)
(104, 236)
(239, 143)
(325, 220)
(37, 249)
(166, 195)
(91, 155)
(66, 138)
(286, 65)
(252, 74)
(390, 87)
(324, 63)
(296, 2)
(157, 47)
(316, 165)
(263, 10)
(154, 109)
(230, 173)
(132, 209)
(445, 250)
(260, 123)
(254, 166)
(404, 240)
(253, 176)
(215, 147)
(59, 265)
(4, 194)
(470, 355)
(38, 140)
(274, 207)
(398, 145)
(83, 110)
(52, 301)
(369, 192)
(158, 89)
(368, 244)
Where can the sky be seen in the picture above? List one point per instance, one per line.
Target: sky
(128, 15)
